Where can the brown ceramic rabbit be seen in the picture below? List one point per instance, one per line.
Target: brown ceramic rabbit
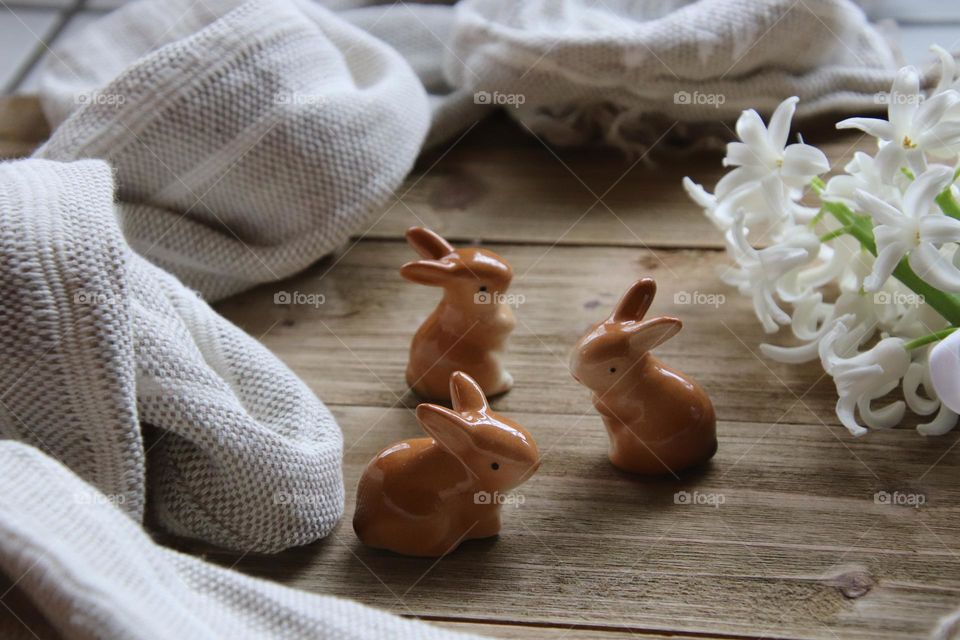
(468, 330)
(659, 420)
(425, 496)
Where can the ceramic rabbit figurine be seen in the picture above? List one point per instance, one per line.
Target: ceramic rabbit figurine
(659, 420)
(422, 497)
(468, 330)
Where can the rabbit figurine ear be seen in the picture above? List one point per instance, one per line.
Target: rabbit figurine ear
(429, 272)
(428, 243)
(651, 333)
(635, 302)
(466, 394)
(447, 427)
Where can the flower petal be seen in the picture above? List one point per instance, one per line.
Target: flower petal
(918, 199)
(905, 99)
(883, 267)
(805, 161)
(945, 370)
(779, 128)
(911, 386)
(876, 127)
(938, 228)
(739, 154)
(932, 110)
(888, 161)
(928, 263)
(945, 421)
(881, 211)
(750, 130)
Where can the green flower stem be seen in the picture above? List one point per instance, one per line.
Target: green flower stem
(861, 228)
(948, 204)
(936, 336)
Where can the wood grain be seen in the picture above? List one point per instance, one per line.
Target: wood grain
(363, 329)
(800, 547)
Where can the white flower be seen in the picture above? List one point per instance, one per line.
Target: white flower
(948, 70)
(915, 230)
(914, 126)
(861, 173)
(759, 270)
(864, 377)
(764, 151)
(769, 177)
(920, 374)
(945, 370)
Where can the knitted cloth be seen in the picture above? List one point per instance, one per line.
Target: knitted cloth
(624, 71)
(107, 579)
(95, 340)
(249, 138)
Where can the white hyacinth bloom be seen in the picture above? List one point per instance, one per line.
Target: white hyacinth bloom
(759, 270)
(945, 370)
(915, 230)
(764, 151)
(914, 126)
(863, 377)
(863, 174)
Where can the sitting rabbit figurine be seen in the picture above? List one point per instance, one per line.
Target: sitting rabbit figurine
(423, 497)
(468, 330)
(659, 420)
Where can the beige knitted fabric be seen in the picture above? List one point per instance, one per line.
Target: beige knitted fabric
(94, 573)
(623, 71)
(249, 138)
(95, 340)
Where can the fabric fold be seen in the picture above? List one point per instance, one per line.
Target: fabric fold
(107, 579)
(250, 139)
(99, 340)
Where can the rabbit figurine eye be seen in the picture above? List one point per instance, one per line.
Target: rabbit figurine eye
(613, 369)
(495, 466)
(483, 289)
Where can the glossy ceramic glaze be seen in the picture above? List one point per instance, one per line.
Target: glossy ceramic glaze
(468, 330)
(423, 497)
(658, 419)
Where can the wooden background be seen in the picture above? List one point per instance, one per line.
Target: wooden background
(799, 547)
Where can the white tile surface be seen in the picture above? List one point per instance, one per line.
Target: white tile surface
(78, 22)
(22, 33)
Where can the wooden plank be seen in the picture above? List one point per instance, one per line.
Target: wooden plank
(571, 632)
(798, 548)
(502, 184)
(22, 126)
(353, 348)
